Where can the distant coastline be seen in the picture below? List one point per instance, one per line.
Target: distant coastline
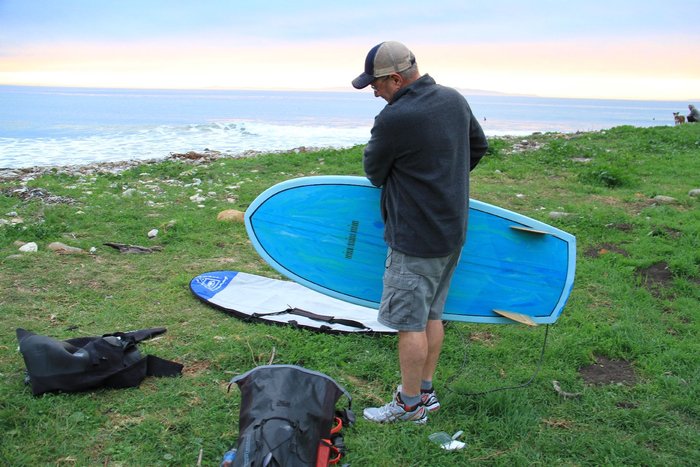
(49, 126)
(349, 89)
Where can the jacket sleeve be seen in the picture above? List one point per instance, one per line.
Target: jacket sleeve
(378, 155)
(478, 143)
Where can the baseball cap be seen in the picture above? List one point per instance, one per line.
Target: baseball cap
(382, 60)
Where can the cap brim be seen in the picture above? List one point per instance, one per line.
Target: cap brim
(362, 81)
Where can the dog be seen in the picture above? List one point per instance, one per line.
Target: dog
(678, 118)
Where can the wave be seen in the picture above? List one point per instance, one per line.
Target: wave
(143, 143)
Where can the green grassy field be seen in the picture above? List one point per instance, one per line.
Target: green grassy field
(627, 342)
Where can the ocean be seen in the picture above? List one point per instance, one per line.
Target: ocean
(44, 126)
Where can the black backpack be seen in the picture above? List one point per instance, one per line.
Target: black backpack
(84, 363)
(287, 415)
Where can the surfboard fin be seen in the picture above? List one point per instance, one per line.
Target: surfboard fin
(517, 317)
(528, 230)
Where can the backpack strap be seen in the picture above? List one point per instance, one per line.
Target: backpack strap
(141, 335)
(157, 366)
(327, 454)
(133, 336)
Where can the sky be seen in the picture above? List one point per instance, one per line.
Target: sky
(620, 49)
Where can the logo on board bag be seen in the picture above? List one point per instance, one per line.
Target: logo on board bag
(212, 283)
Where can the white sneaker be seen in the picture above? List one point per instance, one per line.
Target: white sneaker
(395, 411)
(430, 401)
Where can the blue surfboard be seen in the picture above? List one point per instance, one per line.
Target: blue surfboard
(326, 233)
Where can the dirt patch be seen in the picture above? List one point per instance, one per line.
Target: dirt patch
(656, 277)
(623, 227)
(667, 232)
(196, 368)
(639, 203)
(483, 337)
(605, 248)
(366, 389)
(119, 421)
(606, 371)
(558, 423)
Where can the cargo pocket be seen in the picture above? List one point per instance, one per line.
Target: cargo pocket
(399, 297)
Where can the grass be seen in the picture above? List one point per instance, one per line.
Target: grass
(636, 300)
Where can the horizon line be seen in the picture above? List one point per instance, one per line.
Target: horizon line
(466, 91)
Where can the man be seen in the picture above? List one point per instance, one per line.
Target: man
(694, 115)
(422, 147)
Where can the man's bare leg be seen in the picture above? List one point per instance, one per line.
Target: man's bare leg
(413, 353)
(435, 334)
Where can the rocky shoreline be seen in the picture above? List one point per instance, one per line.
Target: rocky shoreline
(26, 174)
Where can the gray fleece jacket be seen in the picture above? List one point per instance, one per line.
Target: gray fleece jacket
(423, 145)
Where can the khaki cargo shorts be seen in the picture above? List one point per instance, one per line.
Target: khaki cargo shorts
(415, 289)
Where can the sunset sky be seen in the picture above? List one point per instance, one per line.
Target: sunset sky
(628, 49)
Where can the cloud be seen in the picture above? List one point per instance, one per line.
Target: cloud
(544, 47)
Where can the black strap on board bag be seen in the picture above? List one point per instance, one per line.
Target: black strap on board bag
(85, 363)
(288, 417)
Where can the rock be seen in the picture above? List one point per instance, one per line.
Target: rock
(153, 233)
(230, 215)
(123, 248)
(93, 250)
(694, 192)
(30, 247)
(129, 192)
(665, 199)
(197, 198)
(59, 247)
(9, 174)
